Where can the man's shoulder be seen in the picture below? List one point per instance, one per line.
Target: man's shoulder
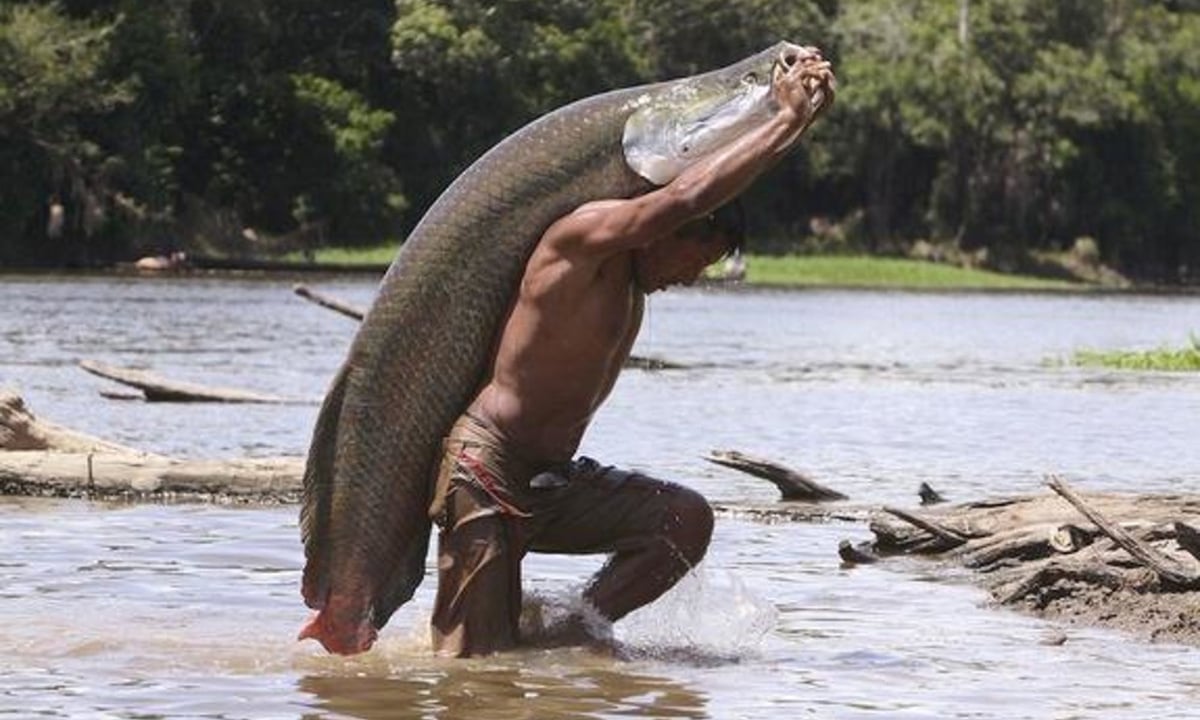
(592, 213)
(575, 230)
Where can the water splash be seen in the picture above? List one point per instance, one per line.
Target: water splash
(709, 617)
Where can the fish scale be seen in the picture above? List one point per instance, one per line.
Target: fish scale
(423, 347)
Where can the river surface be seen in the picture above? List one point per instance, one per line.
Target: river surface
(112, 610)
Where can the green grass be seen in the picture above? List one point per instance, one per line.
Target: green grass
(804, 271)
(876, 272)
(1185, 359)
(376, 255)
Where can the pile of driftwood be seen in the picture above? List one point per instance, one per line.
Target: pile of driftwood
(1128, 561)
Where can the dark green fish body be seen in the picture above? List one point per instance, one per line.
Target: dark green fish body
(423, 348)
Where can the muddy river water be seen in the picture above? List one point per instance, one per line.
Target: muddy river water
(111, 610)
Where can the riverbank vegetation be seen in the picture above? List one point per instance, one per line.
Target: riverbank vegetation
(1001, 130)
(850, 271)
(1167, 359)
(879, 272)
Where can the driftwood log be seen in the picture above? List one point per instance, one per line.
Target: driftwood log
(329, 302)
(146, 476)
(20, 430)
(160, 389)
(792, 485)
(41, 458)
(350, 311)
(1122, 560)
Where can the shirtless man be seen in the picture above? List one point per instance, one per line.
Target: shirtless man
(507, 482)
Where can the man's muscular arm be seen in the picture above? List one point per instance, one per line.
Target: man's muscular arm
(610, 226)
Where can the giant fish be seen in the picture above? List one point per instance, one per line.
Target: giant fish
(423, 348)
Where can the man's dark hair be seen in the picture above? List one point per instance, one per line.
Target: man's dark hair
(730, 221)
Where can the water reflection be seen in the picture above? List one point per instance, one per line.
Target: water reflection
(578, 688)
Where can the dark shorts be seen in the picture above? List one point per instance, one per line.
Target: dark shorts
(492, 507)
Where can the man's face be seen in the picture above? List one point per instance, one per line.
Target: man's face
(681, 258)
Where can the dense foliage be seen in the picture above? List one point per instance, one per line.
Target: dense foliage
(252, 126)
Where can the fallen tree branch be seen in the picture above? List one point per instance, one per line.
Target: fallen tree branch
(326, 301)
(160, 389)
(948, 537)
(792, 485)
(1167, 568)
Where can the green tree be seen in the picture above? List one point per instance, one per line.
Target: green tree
(51, 89)
(362, 194)
(472, 72)
(1014, 125)
(1145, 179)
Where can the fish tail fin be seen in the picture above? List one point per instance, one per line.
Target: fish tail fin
(318, 493)
(327, 626)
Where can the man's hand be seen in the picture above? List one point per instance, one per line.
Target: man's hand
(803, 85)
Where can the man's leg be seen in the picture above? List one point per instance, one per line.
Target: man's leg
(656, 531)
(478, 604)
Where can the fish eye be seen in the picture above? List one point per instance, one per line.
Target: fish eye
(750, 78)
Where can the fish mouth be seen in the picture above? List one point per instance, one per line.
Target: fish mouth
(694, 117)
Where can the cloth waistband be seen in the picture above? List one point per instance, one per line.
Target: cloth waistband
(471, 432)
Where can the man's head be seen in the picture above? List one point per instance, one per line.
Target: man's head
(729, 223)
(682, 257)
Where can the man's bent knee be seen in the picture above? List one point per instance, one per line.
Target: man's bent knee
(689, 524)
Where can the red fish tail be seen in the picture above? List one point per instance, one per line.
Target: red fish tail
(341, 627)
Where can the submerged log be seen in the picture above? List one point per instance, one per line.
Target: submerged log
(160, 389)
(792, 485)
(1114, 559)
(645, 362)
(794, 512)
(929, 496)
(860, 554)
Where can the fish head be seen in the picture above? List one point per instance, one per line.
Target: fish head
(685, 120)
